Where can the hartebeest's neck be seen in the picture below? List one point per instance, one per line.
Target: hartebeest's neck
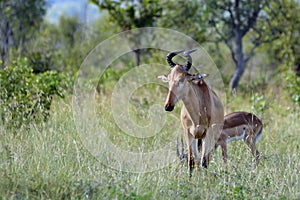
(197, 103)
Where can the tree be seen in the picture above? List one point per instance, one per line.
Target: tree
(187, 17)
(232, 20)
(19, 20)
(286, 50)
(60, 46)
(130, 14)
(69, 28)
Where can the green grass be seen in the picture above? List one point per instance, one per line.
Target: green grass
(48, 161)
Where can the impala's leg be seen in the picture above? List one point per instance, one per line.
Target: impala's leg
(257, 158)
(250, 142)
(224, 151)
(258, 134)
(254, 151)
(222, 142)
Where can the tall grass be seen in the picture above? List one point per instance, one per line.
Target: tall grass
(48, 161)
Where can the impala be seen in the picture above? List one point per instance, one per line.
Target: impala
(241, 126)
(202, 113)
(237, 126)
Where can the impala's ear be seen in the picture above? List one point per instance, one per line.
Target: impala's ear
(163, 78)
(198, 77)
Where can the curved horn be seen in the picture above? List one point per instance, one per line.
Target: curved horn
(189, 59)
(171, 55)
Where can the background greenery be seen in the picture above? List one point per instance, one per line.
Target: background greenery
(40, 153)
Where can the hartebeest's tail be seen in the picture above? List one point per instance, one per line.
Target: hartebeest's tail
(182, 156)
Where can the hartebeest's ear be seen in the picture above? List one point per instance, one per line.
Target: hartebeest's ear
(163, 78)
(197, 77)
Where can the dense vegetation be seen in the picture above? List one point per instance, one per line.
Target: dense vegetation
(43, 156)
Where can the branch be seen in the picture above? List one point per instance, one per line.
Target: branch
(227, 42)
(271, 26)
(237, 14)
(230, 13)
(252, 51)
(258, 42)
(251, 20)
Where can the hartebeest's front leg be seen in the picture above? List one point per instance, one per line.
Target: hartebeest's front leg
(190, 159)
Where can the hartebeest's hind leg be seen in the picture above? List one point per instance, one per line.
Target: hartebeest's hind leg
(182, 156)
(204, 160)
(204, 157)
(196, 154)
(208, 144)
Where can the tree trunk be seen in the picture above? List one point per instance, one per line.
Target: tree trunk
(240, 62)
(137, 56)
(297, 69)
(6, 36)
(4, 52)
(239, 71)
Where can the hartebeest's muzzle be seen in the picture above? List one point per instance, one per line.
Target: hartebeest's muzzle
(169, 107)
(170, 101)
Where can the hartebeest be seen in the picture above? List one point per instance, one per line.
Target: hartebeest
(202, 113)
(237, 126)
(241, 126)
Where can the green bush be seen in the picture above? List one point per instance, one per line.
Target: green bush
(27, 97)
(293, 83)
(259, 104)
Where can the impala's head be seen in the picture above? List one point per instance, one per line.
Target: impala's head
(179, 79)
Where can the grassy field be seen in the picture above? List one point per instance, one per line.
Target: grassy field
(48, 161)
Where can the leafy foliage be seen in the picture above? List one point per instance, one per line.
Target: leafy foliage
(131, 14)
(285, 51)
(187, 17)
(233, 20)
(19, 21)
(25, 96)
(258, 103)
(293, 83)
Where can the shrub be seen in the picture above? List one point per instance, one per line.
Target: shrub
(293, 83)
(25, 96)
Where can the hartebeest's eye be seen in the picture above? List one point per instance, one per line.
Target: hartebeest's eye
(181, 80)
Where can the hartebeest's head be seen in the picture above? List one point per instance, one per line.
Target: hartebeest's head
(179, 79)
